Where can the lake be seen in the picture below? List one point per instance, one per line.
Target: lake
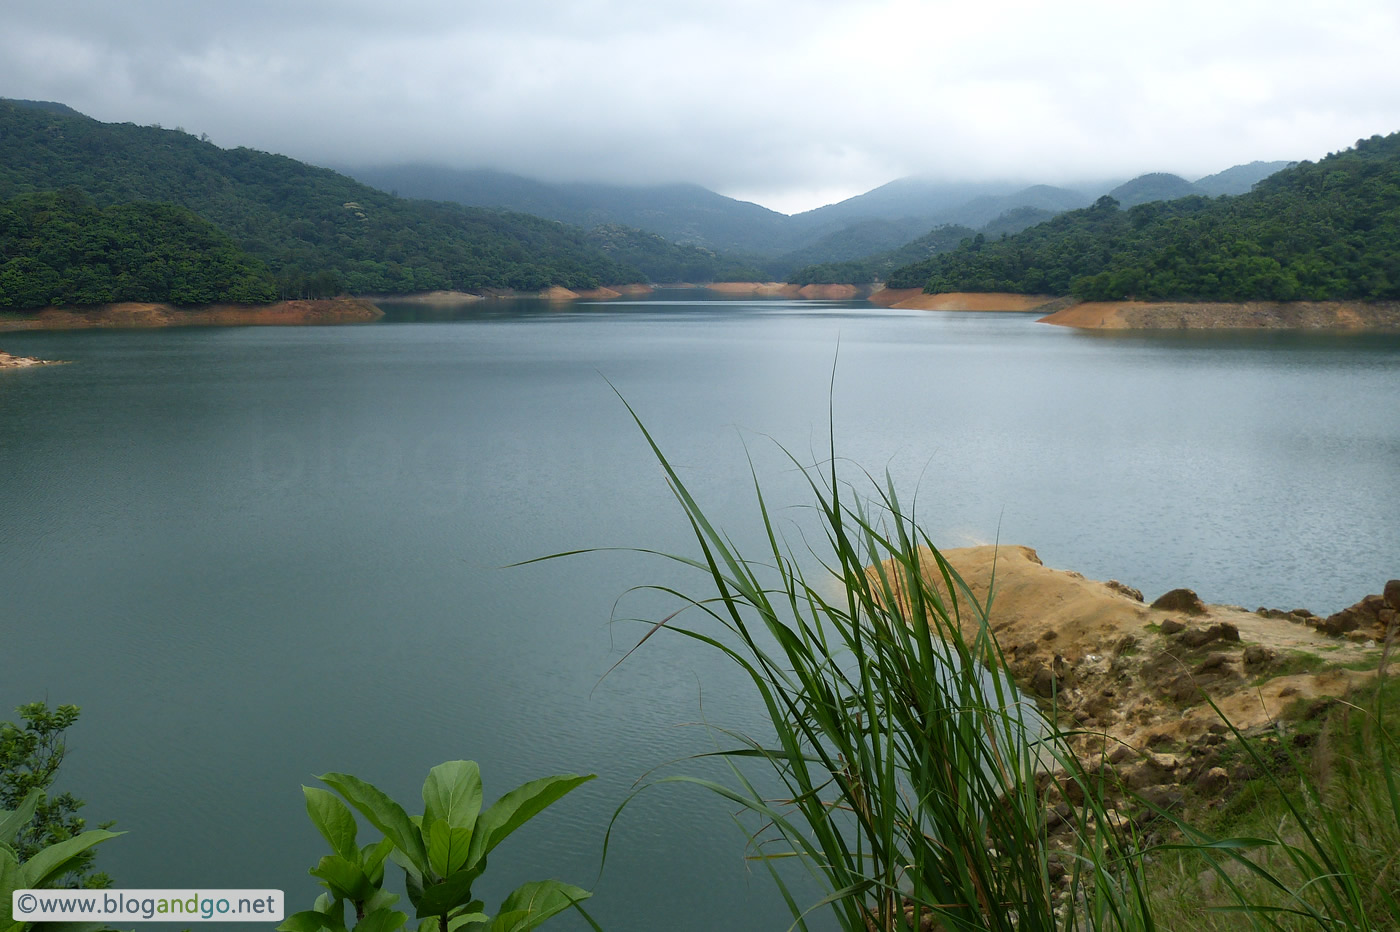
(257, 554)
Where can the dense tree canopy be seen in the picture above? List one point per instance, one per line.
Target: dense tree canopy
(1324, 230)
(299, 220)
(881, 266)
(63, 249)
(663, 261)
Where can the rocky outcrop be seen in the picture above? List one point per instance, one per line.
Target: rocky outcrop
(24, 362)
(1139, 684)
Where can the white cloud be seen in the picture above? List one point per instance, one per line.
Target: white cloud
(776, 101)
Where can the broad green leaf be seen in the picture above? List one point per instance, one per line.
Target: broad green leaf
(309, 920)
(381, 900)
(467, 920)
(381, 920)
(533, 903)
(10, 880)
(344, 878)
(12, 821)
(441, 898)
(333, 820)
(448, 847)
(383, 813)
(453, 792)
(517, 807)
(413, 885)
(53, 861)
(372, 859)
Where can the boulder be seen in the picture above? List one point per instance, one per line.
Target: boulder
(1391, 593)
(1256, 655)
(1210, 783)
(1181, 600)
(1172, 626)
(1122, 589)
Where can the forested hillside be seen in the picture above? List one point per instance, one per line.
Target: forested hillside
(880, 266)
(1324, 230)
(64, 249)
(306, 224)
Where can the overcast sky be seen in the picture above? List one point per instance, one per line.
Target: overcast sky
(792, 103)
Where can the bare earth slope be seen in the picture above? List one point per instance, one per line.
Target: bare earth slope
(1139, 673)
(1253, 315)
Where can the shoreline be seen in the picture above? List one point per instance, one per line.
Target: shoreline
(1340, 316)
(141, 315)
(1353, 316)
(8, 361)
(1142, 680)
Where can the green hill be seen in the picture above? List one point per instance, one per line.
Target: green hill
(299, 220)
(63, 249)
(1324, 230)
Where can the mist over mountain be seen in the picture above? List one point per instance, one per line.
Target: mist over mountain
(865, 226)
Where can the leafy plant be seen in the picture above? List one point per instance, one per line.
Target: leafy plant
(442, 852)
(47, 866)
(30, 755)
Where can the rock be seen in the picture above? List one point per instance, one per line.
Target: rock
(1386, 617)
(1210, 783)
(1342, 622)
(1157, 770)
(1050, 635)
(1181, 600)
(1364, 614)
(1166, 798)
(1172, 626)
(1358, 637)
(1199, 637)
(1043, 682)
(1120, 754)
(1126, 644)
(1391, 593)
(1256, 655)
(1215, 663)
(1129, 591)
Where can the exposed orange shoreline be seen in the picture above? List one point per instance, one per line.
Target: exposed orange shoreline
(1250, 315)
(134, 314)
(1353, 316)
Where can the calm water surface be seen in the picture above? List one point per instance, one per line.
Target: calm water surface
(254, 555)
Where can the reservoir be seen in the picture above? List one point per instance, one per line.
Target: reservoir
(253, 555)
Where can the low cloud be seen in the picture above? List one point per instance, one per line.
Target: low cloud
(785, 101)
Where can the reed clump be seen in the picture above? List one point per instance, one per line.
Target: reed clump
(910, 772)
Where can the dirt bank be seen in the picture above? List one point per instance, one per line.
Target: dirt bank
(913, 299)
(133, 314)
(1140, 673)
(1252, 315)
(428, 297)
(762, 289)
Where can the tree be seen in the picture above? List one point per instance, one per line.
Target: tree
(30, 755)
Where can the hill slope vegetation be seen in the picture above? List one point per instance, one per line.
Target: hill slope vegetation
(1317, 231)
(299, 220)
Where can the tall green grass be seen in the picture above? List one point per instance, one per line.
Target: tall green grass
(911, 770)
(906, 758)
